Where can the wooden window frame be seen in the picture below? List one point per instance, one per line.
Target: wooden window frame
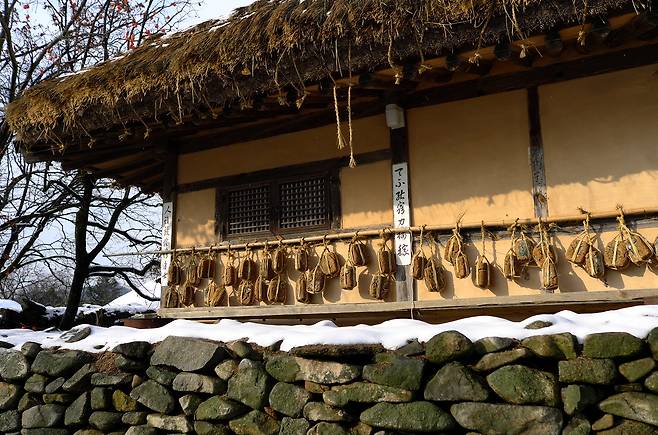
(275, 178)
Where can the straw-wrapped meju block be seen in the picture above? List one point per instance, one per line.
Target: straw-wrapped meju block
(462, 269)
(549, 276)
(578, 249)
(616, 254)
(418, 264)
(248, 270)
(511, 268)
(301, 289)
(175, 274)
(482, 272)
(594, 264)
(206, 268)
(386, 261)
(300, 258)
(539, 253)
(329, 264)
(523, 247)
(246, 293)
(265, 266)
(316, 281)
(279, 260)
(357, 254)
(277, 290)
(171, 298)
(434, 275)
(230, 275)
(260, 288)
(215, 294)
(187, 294)
(640, 249)
(348, 278)
(452, 248)
(380, 286)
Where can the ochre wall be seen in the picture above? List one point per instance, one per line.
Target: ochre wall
(470, 157)
(601, 141)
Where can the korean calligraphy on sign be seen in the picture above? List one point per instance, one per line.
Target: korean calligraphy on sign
(402, 213)
(167, 228)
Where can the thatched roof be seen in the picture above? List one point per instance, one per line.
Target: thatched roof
(271, 45)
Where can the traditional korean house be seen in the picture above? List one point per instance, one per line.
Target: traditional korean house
(515, 140)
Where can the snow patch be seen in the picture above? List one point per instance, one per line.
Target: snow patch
(7, 304)
(638, 321)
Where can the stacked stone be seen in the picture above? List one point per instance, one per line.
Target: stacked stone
(547, 384)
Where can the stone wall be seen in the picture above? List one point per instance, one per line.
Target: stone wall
(546, 384)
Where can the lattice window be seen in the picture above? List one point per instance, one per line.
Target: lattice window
(248, 210)
(304, 203)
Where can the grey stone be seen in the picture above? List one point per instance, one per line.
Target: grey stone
(14, 366)
(587, 371)
(294, 426)
(651, 382)
(652, 339)
(455, 383)
(154, 396)
(170, 423)
(28, 400)
(195, 383)
(250, 385)
(111, 380)
(123, 402)
(53, 386)
(80, 380)
(622, 388)
(10, 395)
(59, 398)
(605, 422)
(189, 403)
(77, 414)
(219, 408)
(10, 421)
(448, 346)
(41, 416)
(578, 425)
(137, 380)
(492, 361)
(363, 392)
(88, 432)
(499, 419)
(636, 370)
(630, 427)
(554, 346)
(130, 365)
(289, 399)
(101, 398)
(412, 348)
(30, 349)
(612, 345)
(205, 428)
(325, 428)
(161, 375)
(226, 369)
(56, 363)
(538, 324)
(104, 420)
(45, 431)
(135, 350)
(255, 423)
(76, 334)
(410, 417)
(286, 368)
(134, 418)
(634, 406)
(318, 411)
(241, 349)
(395, 371)
(36, 384)
(522, 385)
(142, 430)
(576, 398)
(197, 355)
(493, 344)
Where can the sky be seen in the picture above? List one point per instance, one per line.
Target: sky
(210, 9)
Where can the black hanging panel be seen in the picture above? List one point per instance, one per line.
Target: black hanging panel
(303, 203)
(248, 210)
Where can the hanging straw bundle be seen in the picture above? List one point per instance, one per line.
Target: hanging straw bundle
(248, 269)
(265, 269)
(316, 280)
(192, 274)
(277, 290)
(419, 260)
(300, 257)
(482, 265)
(215, 294)
(511, 264)
(348, 280)
(579, 247)
(434, 274)
(329, 263)
(230, 271)
(171, 298)
(454, 245)
(523, 247)
(385, 256)
(380, 286)
(357, 252)
(175, 272)
(549, 275)
(207, 266)
(187, 294)
(246, 293)
(301, 289)
(279, 259)
(640, 250)
(260, 288)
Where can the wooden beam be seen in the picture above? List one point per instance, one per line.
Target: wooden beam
(553, 43)
(536, 155)
(123, 168)
(139, 177)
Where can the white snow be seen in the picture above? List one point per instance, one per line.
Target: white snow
(638, 321)
(8, 304)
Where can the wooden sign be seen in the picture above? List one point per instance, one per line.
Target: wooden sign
(167, 237)
(401, 213)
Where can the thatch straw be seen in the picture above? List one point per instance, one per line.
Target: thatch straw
(267, 46)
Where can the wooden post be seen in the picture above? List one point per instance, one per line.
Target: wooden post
(536, 155)
(404, 284)
(169, 181)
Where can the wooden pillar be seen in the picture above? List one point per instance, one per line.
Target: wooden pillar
(401, 186)
(169, 182)
(536, 155)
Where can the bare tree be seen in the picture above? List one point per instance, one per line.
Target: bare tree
(50, 219)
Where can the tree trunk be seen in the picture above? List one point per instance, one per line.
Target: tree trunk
(82, 260)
